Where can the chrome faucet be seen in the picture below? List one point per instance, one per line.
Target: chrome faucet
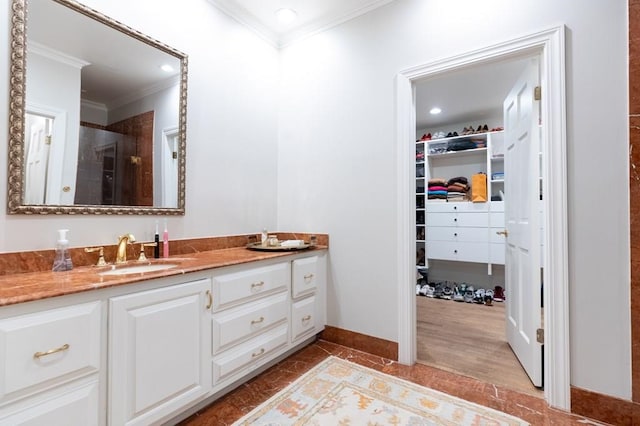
(121, 253)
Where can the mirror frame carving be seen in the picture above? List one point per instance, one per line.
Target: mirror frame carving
(17, 100)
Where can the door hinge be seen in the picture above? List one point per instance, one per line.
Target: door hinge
(537, 93)
(540, 335)
(47, 140)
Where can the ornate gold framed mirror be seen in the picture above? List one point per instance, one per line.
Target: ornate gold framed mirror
(97, 120)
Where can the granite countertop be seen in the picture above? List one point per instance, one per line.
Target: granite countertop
(30, 286)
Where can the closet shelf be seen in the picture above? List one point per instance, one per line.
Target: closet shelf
(464, 153)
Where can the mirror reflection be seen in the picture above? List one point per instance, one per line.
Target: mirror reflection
(103, 115)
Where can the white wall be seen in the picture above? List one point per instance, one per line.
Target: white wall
(337, 165)
(231, 130)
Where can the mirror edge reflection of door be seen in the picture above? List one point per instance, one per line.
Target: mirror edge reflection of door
(17, 103)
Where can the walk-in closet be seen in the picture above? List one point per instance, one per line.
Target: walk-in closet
(476, 178)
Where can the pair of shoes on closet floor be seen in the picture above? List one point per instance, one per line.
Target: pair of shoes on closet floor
(478, 296)
(458, 293)
(468, 294)
(498, 294)
(425, 290)
(488, 297)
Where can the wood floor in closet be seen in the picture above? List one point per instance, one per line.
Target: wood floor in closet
(469, 339)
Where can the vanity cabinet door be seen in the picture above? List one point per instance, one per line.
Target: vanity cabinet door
(159, 352)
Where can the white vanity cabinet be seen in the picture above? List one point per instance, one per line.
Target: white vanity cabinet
(49, 365)
(159, 343)
(307, 291)
(154, 351)
(250, 318)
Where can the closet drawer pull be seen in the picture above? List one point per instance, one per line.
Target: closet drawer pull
(306, 318)
(257, 354)
(308, 277)
(39, 355)
(258, 284)
(258, 321)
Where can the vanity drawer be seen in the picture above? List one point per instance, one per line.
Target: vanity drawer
(232, 288)
(250, 354)
(46, 348)
(304, 276)
(235, 325)
(303, 318)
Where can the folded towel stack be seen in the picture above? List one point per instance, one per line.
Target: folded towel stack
(291, 243)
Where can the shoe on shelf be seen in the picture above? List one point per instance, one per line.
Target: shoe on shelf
(498, 294)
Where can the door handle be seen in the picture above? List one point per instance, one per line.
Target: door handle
(505, 233)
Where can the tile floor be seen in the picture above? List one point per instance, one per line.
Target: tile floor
(243, 399)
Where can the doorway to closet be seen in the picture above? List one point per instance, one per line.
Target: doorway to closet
(462, 319)
(549, 45)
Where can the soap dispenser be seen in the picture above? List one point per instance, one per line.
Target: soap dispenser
(62, 259)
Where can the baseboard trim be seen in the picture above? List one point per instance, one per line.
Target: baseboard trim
(604, 408)
(362, 342)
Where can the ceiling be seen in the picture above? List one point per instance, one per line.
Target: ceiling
(313, 15)
(462, 96)
(466, 95)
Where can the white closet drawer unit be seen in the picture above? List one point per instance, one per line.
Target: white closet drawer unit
(232, 288)
(477, 219)
(456, 207)
(50, 346)
(460, 234)
(235, 325)
(496, 219)
(249, 354)
(303, 318)
(496, 253)
(464, 252)
(304, 276)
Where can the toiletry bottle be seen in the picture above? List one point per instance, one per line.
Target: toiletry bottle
(62, 259)
(264, 237)
(165, 240)
(156, 238)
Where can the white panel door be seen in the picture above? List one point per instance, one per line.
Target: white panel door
(522, 263)
(159, 352)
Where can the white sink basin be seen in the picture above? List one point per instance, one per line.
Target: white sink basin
(139, 269)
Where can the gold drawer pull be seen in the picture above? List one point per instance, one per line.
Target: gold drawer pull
(257, 354)
(308, 277)
(38, 355)
(258, 321)
(258, 284)
(505, 233)
(306, 318)
(210, 300)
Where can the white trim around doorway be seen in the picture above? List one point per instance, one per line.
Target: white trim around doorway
(549, 46)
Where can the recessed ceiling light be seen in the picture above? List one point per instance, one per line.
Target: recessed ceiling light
(166, 68)
(435, 110)
(286, 16)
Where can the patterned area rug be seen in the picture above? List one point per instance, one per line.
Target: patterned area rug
(338, 392)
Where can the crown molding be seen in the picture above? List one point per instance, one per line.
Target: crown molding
(286, 38)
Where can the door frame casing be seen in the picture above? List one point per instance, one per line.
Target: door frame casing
(549, 45)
